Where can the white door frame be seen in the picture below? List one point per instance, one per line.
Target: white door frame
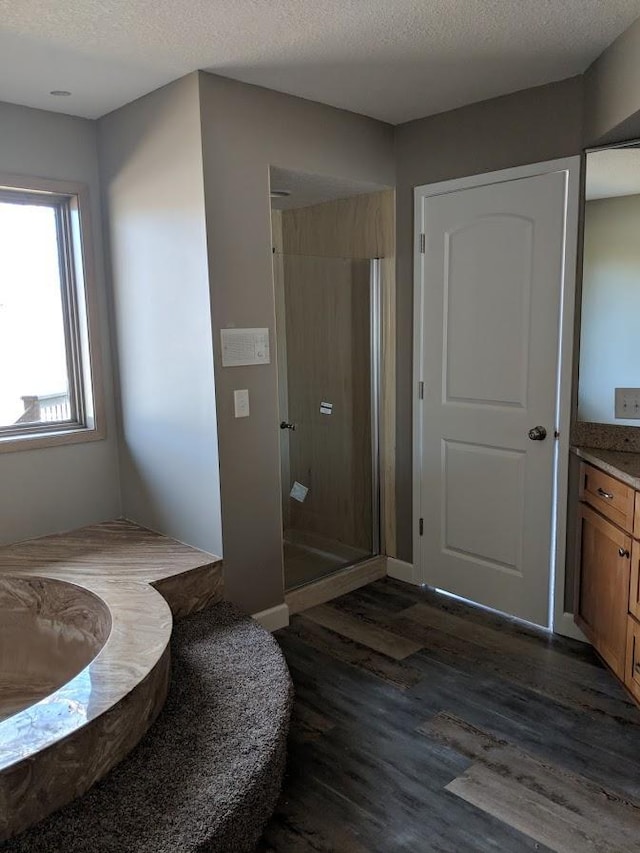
(561, 621)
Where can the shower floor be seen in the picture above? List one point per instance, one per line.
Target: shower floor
(307, 559)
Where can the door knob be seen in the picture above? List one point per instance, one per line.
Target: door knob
(538, 433)
(285, 425)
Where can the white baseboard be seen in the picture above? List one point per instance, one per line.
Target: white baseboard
(273, 618)
(401, 571)
(568, 628)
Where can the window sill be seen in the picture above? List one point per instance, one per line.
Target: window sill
(38, 441)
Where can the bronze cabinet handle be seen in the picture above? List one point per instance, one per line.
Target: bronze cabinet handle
(623, 552)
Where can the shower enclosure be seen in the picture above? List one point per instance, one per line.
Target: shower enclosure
(328, 334)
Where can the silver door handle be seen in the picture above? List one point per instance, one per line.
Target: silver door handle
(538, 433)
(285, 425)
(604, 494)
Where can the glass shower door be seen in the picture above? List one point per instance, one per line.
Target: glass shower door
(328, 336)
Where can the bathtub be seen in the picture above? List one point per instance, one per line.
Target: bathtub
(50, 631)
(84, 672)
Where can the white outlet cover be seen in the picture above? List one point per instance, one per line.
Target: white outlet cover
(627, 403)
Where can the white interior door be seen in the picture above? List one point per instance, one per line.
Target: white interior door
(489, 302)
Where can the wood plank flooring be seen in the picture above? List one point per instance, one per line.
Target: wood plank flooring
(421, 724)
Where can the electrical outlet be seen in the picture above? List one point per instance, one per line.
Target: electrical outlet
(627, 403)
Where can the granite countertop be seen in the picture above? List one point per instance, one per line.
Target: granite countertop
(620, 464)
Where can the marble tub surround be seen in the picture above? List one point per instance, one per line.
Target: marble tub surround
(606, 436)
(208, 774)
(50, 630)
(188, 579)
(54, 750)
(623, 465)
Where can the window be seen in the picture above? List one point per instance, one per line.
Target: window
(46, 382)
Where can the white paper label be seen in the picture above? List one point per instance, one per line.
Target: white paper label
(298, 492)
(326, 408)
(241, 347)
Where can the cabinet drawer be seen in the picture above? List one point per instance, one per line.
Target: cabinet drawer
(613, 499)
(632, 667)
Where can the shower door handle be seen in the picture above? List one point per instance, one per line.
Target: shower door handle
(285, 425)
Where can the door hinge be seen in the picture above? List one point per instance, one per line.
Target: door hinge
(423, 241)
(421, 526)
(420, 390)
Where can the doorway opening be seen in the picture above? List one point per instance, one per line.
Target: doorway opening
(328, 294)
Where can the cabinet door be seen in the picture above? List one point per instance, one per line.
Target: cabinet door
(632, 676)
(634, 585)
(602, 595)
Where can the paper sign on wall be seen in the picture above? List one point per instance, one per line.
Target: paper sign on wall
(326, 408)
(241, 347)
(298, 492)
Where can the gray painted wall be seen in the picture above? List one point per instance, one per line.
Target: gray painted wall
(612, 91)
(245, 130)
(58, 488)
(151, 161)
(526, 127)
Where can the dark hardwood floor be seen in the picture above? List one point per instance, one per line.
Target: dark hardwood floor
(421, 724)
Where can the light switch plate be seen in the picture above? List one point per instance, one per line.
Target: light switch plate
(627, 403)
(241, 403)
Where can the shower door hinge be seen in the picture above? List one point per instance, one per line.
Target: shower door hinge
(420, 390)
(423, 241)
(421, 526)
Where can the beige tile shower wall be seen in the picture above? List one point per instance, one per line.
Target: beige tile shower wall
(245, 130)
(360, 227)
(328, 353)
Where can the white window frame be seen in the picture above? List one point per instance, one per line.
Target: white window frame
(80, 316)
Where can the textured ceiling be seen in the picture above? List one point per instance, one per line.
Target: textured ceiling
(309, 189)
(391, 59)
(613, 172)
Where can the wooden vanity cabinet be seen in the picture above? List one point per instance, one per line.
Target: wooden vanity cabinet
(603, 593)
(634, 580)
(632, 672)
(607, 592)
